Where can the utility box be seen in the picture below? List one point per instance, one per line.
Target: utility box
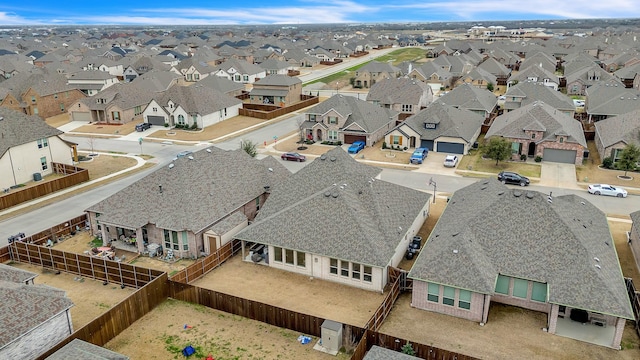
(37, 176)
(331, 334)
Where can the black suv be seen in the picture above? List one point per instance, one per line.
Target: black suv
(143, 126)
(513, 178)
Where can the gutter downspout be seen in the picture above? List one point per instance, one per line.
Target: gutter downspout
(13, 172)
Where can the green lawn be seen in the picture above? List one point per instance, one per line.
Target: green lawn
(398, 56)
(475, 162)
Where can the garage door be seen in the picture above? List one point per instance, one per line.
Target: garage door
(427, 144)
(155, 120)
(561, 156)
(81, 116)
(450, 148)
(350, 139)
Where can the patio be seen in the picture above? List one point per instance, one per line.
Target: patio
(587, 332)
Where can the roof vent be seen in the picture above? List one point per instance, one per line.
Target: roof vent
(333, 158)
(190, 158)
(596, 259)
(482, 188)
(455, 234)
(334, 195)
(209, 150)
(583, 203)
(529, 195)
(501, 193)
(323, 157)
(598, 266)
(517, 193)
(160, 187)
(327, 194)
(270, 169)
(171, 166)
(455, 251)
(1, 118)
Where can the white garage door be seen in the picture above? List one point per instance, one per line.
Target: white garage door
(561, 156)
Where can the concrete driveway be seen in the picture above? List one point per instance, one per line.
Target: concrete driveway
(434, 164)
(558, 175)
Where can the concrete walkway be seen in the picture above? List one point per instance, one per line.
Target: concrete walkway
(558, 175)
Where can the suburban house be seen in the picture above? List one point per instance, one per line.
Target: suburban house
(192, 106)
(542, 60)
(33, 318)
(223, 85)
(497, 69)
(538, 129)
(536, 74)
(240, 71)
(440, 128)
(527, 249)
(477, 77)
(91, 82)
(28, 145)
(468, 97)
(279, 90)
(276, 67)
(527, 92)
(190, 207)
(141, 66)
(634, 237)
(374, 72)
(609, 99)
(431, 74)
(40, 94)
(404, 95)
(580, 80)
(347, 119)
(335, 220)
(615, 133)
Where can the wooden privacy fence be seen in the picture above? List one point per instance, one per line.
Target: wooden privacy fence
(269, 314)
(66, 228)
(83, 265)
(253, 110)
(203, 265)
(122, 315)
(72, 176)
(634, 298)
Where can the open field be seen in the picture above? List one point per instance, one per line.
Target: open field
(108, 129)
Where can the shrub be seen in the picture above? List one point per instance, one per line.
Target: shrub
(166, 124)
(194, 126)
(408, 349)
(523, 157)
(384, 144)
(405, 148)
(538, 158)
(607, 162)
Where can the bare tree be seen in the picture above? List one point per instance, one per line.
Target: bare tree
(92, 142)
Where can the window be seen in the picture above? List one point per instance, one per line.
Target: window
(333, 266)
(449, 296)
(407, 108)
(62, 107)
(155, 109)
(344, 268)
(515, 147)
(42, 143)
(258, 203)
(312, 117)
(367, 273)
(502, 285)
(561, 140)
(35, 111)
(539, 292)
(171, 240)
(43, 163)
(333, 135)
(300, 259)
(355, 271)
(277, 254)
(33, 99)
(115, 115)
(194, 119)
(237, 77)
(245, 78)
(396, 140)
(464, 299)
(196, 77)
(533, 136)
(433, 292)
(288, 256)
(181, 120)
(185, 241)
(520, 288)
(333, 119)
(137, 110)
(55, 96)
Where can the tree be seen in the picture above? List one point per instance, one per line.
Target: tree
(249, 147)
(490, 86)
(408, 349)
(498, 149)
(92, 142)
(628, 158)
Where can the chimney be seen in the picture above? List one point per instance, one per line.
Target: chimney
(160, 187)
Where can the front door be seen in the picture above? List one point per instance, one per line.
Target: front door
(532, 149)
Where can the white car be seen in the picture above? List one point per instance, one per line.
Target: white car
(451, 161)
(604, 189)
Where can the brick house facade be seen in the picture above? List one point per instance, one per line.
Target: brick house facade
(44, 106)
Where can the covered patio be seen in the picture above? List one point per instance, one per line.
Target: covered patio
(591, 332)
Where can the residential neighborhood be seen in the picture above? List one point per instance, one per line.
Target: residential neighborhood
(270, 174)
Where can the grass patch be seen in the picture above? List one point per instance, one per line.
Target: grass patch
(96, 242)
(398, 56)
(344, 74)
(475, 162)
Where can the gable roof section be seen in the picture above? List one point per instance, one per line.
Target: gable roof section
(497, 230)
(17, 128)
(368, 116)
(79, 349)
(513, 124)
(622, 128)
(197, 99)
(531, 92)
(452, 122)
(398, 91)
(335, 207)
(219, 183)
(14, 274)
(467, 96)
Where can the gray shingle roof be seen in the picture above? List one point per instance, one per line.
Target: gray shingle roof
(278, 80)
(534, 91)
(198, 99)
(612, 99)
(17, 128)
(380, 353)
(542, 117)
(25, 307)
(398, 91)
(497, 230)
(195, 193)
(467, 96)
(452, 122)
(82, 350)
(625, 128)
(334, 207)
(368, 116)
(16, 275)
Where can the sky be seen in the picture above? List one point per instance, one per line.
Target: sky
(248, 12)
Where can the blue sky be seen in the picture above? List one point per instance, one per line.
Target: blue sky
(217, 12)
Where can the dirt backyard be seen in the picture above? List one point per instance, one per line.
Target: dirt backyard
(170, 327)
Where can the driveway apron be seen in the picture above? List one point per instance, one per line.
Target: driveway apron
(558, 175)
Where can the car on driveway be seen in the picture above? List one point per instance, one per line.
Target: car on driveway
(184, 153)
(143, 126)
(507, 177)
(418, 155)
(604, 189)
(451, 161)
(293, 156)
(356, 147)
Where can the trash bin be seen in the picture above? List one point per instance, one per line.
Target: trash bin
(37, 176)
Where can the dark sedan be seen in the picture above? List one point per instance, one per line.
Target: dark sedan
(292, 156)
(513, 178)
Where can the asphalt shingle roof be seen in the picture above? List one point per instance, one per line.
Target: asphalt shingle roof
(335, 207)
(16, 275)
(17, 128)
(625, 128)
(198, 99)
(368, 116)
(497, 230)
(82, 350)
(451, 122)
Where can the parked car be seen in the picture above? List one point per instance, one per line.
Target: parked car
(604, 189)
(143, 126)
(451, 161)
(356, 147)
(293, 156)
(508, 177)
(184, 153)
(418, 155)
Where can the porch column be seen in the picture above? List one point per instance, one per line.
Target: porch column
(552, 319)
(485, 312)
(139, 240)
(103, 231)
(617, 337)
